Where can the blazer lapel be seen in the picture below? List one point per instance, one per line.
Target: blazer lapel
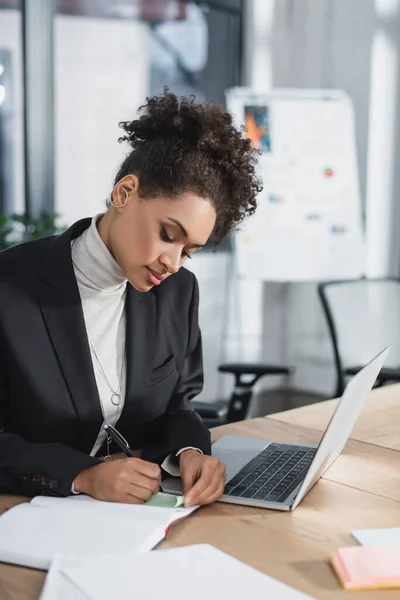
(140, 335)
(62, 310)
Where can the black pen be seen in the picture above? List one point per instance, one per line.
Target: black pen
(118, 439)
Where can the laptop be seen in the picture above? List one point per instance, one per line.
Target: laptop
(276, 475)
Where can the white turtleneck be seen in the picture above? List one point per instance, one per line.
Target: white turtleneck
(102, 288)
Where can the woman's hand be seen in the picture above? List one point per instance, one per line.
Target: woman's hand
(203, 477)
(130, 480)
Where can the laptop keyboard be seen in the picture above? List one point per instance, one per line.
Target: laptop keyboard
(273, 474)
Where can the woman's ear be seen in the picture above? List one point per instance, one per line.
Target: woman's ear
(130, 183)
(123, 189)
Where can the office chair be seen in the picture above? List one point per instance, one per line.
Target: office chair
(237, 408)
(363, 317)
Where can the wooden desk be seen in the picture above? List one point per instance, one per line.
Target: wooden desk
(378, 424)
(361, 490)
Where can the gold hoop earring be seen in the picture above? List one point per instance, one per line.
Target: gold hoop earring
(125, 201)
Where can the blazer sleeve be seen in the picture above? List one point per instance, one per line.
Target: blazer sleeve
(30, 469)
(180, 426)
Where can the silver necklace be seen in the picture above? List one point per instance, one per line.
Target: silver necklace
(116, 397)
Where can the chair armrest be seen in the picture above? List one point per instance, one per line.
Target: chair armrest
(210, 410)
(386, 374)
(259, 369)
(254, 371)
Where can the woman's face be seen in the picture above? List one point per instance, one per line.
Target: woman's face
(151, 239)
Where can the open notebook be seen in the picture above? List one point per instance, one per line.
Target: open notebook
(31, 534)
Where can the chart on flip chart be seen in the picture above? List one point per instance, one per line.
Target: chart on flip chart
(308, 224)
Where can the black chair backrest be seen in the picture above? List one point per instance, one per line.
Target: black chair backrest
(363, 317)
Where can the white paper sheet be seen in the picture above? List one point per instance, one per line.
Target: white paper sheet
(377, 537)
(194, 572)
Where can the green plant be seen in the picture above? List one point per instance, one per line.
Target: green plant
(18, 228)
(5, 231)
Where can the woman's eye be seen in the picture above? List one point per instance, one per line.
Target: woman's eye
(165, 236)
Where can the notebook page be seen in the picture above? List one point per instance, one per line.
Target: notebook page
(157, 515)
(31, 535)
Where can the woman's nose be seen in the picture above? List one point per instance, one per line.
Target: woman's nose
(172, 261)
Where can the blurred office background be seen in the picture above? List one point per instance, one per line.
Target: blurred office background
(70, 70)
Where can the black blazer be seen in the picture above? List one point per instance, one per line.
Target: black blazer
(50, 413)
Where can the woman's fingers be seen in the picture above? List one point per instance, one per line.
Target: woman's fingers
(210, 485)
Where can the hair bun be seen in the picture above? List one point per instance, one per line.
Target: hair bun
(165, 117)
(181, 146)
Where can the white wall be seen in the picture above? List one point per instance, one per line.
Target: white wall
(383, 193)
(10, 39)
(101, 78)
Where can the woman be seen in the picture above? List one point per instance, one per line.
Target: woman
(99, 325)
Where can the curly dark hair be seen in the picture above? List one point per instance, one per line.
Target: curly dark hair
(182, 146)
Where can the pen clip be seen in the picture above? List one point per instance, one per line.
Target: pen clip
(116, 434)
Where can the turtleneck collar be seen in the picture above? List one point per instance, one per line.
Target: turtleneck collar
(96, 268)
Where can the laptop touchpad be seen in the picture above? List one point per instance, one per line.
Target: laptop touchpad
(235, 452)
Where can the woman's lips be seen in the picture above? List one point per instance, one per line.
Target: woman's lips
(154, 277)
